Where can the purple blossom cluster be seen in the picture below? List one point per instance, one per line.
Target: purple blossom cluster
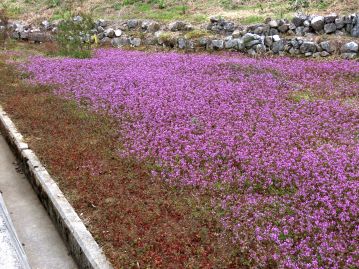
(275, 139)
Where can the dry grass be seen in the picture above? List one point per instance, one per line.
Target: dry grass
(196, 11)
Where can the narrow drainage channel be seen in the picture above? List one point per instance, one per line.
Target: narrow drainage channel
(43, 245)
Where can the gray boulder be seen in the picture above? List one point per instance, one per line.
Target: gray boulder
(299, 31)
(273, 24)
(248, 37)
(339, 22)
(298, 19)
(260, 48)
(252, 43)
(330, 28)
(132, 24)
(109, 32)
(278, 46)
(135, 42)
(324, 54)
(236, 33)
(330, 18)
(101, 23)
(308, 46)
(348, 56)
(317, 23)
(231, 43)
(24, 35)
(150, 26)
(120, 41)
(273, 31)
(306, 23)
(276, 38)
(39, 37)
(327, 46)
(268, 41)
(351, 47)
(217, 44)
(181, 43)
(283, 28)
(176, 26)
(355, 29)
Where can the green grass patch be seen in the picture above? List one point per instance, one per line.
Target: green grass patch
(252, 19)
(196, 34)
(299, 96)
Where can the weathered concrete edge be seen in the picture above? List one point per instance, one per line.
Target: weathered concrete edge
(15, 240)
(82, 246)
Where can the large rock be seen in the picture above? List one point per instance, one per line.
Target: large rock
(120, 41)
(283, 28)
(176, 26)
(260, 48)
(351, 47)
(278, 46)
(348, 56)
(328, 46)
(339, 22)
(231, 43)
(330, 18)
(330, 28)
(135, 42)
(317, 23)
(217, 44)
(153, 27)
(268, 41)
(132, 24)
(39, 37)
(101, 23)
(355, 30)
(181, 43)
(308, 47)
(109, 32)
(299, 19)
(248, 37)
(273, 24)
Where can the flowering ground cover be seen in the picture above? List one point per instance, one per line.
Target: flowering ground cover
(273, 140)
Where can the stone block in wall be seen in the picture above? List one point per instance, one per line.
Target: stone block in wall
(308, 46)
(231, 44)
(348, 56)
(355, 29)
(339, 23)
(350, 47)
(120, 41)
(330, 18)
(135, 42)
(299, 19)
(317, 23)
(278, 46)
(328, 46)
(217, 44)
(283, 28)
(39, 37)
(330, 28)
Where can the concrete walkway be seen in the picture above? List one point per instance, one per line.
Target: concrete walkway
(42, 243)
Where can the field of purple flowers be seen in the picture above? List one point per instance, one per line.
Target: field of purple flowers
(276, 140)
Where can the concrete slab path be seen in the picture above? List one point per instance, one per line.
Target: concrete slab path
(42, 243)
(12, 254)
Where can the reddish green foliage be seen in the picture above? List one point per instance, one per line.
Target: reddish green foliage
(141, 223)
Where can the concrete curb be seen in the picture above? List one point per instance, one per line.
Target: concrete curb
(79, 241)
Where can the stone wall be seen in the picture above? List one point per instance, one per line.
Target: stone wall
(304, 35)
